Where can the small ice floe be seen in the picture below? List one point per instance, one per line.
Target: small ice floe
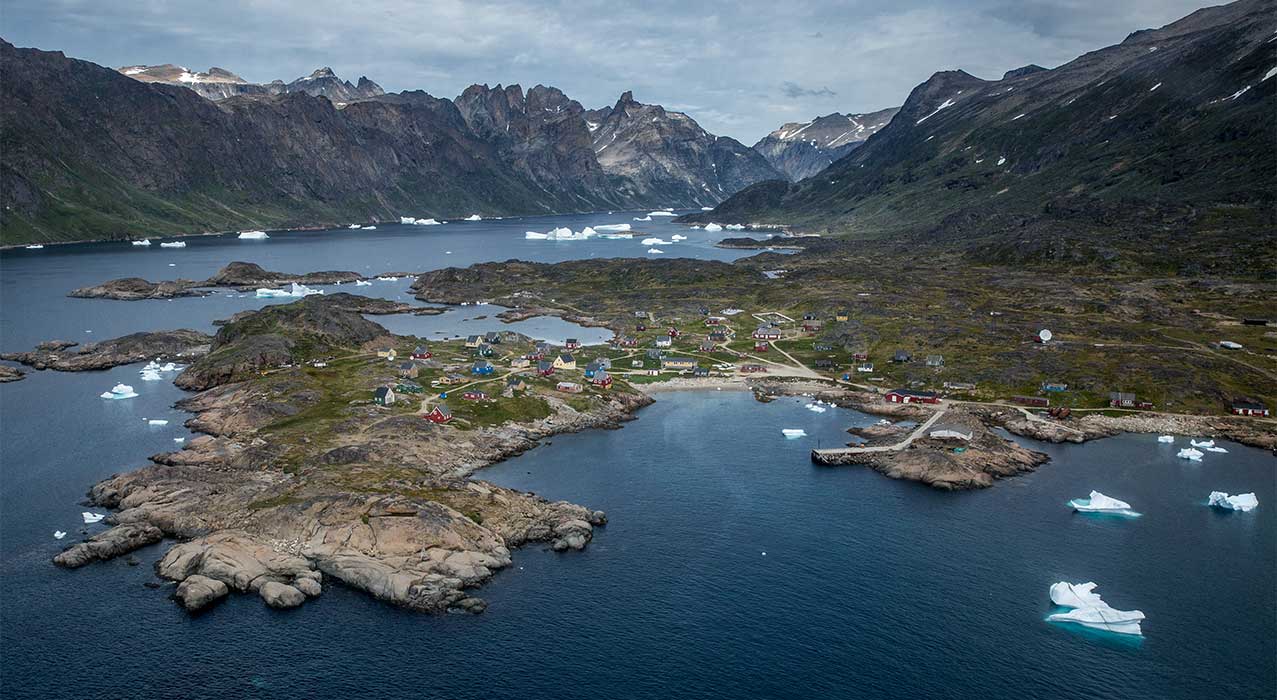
(173, 244)
(793, 433)
(474, 217)
(387, 279)
(677, 237)
(696, 227)
(1217, 449)
(354, 226)
(1190, 453)
(1002, 160)
(253, 235)
(713, 227)
(655, 251)
(1099, 503)
(172, 264)
(179, 440)
(367, 228)
(1203, 443)
(144, 241)
(643, 218)
(363, 283)
(613, 227)
(707, 208)
(119, 391)
(296, 290)
(428, 222)
(1154, 87)
(815, 408)
(35, 246)
(156, 421)
(1089, 610)
(58, 534)
(1166, 438)
(90, 518)
(534, 236)
(735, 227)
(1245, 502)
(151, 375)
(661, 213)
(655, 241)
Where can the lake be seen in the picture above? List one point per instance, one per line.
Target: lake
(731, 567)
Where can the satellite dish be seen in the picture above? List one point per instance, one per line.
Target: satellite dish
(1044, 335)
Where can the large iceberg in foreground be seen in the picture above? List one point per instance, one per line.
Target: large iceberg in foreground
(654, 241)
(90, 518)
(1244, 502)
(1089, 610)
(119, 391)
(151, 375)
(253, 235)
(1099, 503)
(1190, 453)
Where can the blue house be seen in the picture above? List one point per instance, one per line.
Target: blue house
(483, 367)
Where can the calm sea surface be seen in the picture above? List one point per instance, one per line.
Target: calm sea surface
(732, 567)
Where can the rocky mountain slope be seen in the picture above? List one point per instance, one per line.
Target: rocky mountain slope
(1160, 148)
(667, 157)
(802, 149)
(220, 84)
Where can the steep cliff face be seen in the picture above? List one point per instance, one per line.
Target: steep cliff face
(1161, 146)
(668, 156)
(802, 149)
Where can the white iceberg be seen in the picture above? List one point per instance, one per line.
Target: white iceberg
(174, 244)
(1217, 449)
(644, 218)
(474, 217)
(367, 228)
(363, 283)
(90, 518)
(815, 408)
(296, 290)
(144, 241)
(654, 241)
(179, 439)
(616, 236)
(735, 227)
(169, 367)
(253, 235)
(612, 227)
(387, 279)
(1099, 503)
(1245, 502)
(707, 208)
(353, 226)
(427, 222)
(661, 213)
(1166, 438)
(58, 534)
(677, 237)
(1203, 443)
(157, 421)
(407, 220)
(1089, 610)
(655, 251)
(119, 391)
(696, 227)
(1190, 453)
(712, 227)
(35, 246)
(793, 433)
(150, 375)
(534, 236)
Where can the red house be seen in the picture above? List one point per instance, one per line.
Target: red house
(761, 346)
(601, 379)
(545, 368)
(713, 320)
(572, 344)
(1249, 408)
(910, 396)
(1039, 401)
(673, 332)
(751, 369)
(438, 414)
(421, 352)
(475, 395)
(766, 333)
(861, 356)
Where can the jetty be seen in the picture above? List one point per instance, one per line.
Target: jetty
(856, 455)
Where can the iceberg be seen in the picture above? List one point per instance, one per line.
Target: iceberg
(1166, 438)
(793, 433)
(697, 227)
(815, 408)
(1089, 610)
(1217, 449)
(367, 228)
(534, 236)
(1203, 443)
(1190, 453)
(1099, 503)
(150, 375)
(655, 251)
(144, 241)
(119, 391)
(174, 244)
(712, 227)
(157, 421)
(296, 290)
(655, 241)
(645, 218)
(363, 283)
(179, 439)
(735, 227)
(90, 518)
(616, 236)
(474, 217)
(169, 367)
(35, 246)
(677, 237)
(253, 235)
(427, 222)
(661, 213)
(387, 279)
(407, 220)
(1245, 502)
(58, 534)
(612, 227)
(353, 226)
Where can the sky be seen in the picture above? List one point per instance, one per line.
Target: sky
(741, 68)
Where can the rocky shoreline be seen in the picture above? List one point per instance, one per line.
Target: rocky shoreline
(182, 345)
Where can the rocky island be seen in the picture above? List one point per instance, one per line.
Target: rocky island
(236, 275)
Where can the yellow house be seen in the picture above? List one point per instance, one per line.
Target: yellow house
(841, 316)
(564, 360)
(388, 353)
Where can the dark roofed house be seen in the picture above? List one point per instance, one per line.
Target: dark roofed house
(383, 396)
(408, 369)
(824, 364)
(572, 344)
(545, 368)
(421, 352)
(935, 360)
(485, 350)
(492, 337)
(821, 347)
(706, 346)
(515, 383)
(601, 378)
(473, 341)
(565, 361)
(901, 356)
(483, 367)
(592, 368)
(1121, 399)
(910, 396)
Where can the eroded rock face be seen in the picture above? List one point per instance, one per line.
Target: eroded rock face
(281, 595)
(120, 539)
(198, 592)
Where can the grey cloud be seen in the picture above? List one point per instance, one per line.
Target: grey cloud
(791, 89)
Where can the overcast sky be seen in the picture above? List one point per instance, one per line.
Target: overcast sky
(739, 67)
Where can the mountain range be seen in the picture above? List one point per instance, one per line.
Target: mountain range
(802, 149)
(96, 153)
(1162, 146)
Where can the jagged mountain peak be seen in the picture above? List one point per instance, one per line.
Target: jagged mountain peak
(802, 149)
(1022, 71)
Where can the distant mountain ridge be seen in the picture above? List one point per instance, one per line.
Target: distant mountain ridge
(802, 149)
(91, 152)
(1158, 149)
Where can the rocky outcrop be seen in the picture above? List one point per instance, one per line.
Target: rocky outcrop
(281, 595)
(182, 345)
(198, 592)
(241, 275)
(10, 374)
(135, 288)
(114, 542)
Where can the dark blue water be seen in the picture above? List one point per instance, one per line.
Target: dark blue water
(869, 587)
